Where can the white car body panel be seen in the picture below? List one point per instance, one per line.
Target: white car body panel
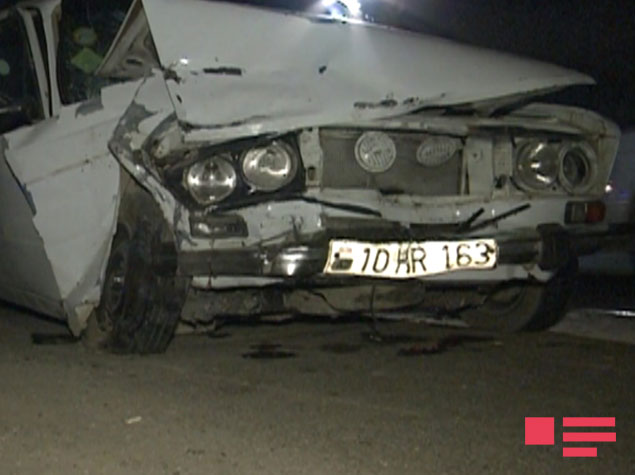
(235, 72)
(238, 71)
(62, 187)
(70, 153)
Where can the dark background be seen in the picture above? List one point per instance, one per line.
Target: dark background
(596, 37)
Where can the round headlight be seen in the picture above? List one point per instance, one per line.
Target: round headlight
(578, 167)
(375, 152)
(537, 165)
(211, 180)
(271, 167)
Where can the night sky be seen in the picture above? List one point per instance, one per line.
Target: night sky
(593, 36)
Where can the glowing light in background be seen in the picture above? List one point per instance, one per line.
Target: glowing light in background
(343, 8)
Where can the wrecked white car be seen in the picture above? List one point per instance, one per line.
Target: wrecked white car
(266, 163)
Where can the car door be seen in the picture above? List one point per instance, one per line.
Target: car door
(26, 276)
(62, 180)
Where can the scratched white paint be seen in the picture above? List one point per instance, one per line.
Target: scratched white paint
(238, 71)
(297, 72)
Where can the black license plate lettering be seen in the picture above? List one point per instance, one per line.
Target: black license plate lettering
(382, 259)
(418, 256)
(485, 252)
(463, 256)
(403, 259)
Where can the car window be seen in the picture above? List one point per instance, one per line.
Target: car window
(20, 102)
(87, 29)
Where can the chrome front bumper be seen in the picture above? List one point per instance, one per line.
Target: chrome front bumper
(549, 247)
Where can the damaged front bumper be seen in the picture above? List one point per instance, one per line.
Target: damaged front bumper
(546, 249)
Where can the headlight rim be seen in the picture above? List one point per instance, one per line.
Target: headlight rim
(291, 153)
(376, 134)
(520, 181)
(592, 165)
(224, 157)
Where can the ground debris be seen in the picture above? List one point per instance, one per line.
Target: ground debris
(419, 345)
(53, 339)
(439, 345)
(268, 351)
(340, 348)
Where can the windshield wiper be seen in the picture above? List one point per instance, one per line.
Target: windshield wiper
(468, 225)
(353, 208)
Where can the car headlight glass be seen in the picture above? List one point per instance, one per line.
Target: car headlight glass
(578, 167)
(270, 167)
(211, 180)
(537, 165)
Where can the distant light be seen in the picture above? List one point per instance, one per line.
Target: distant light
(608, 189)
(354, 7)
(184, 61)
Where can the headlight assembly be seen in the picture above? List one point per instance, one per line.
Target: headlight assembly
(569, 166)
(270, 167)
(537, 166)
(578, 169)
(211, 180)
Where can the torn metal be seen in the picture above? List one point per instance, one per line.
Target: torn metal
(290, 72)
(213, 94)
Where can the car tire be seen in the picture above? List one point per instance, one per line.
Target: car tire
(523, 306)
(142, 296)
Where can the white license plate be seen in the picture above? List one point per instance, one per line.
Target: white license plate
(405, 260)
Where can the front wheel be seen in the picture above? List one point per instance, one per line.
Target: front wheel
(141, 301)
(520, 306)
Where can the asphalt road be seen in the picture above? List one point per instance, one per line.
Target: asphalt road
(306, 397)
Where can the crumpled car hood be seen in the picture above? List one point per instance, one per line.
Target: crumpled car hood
(235, 71)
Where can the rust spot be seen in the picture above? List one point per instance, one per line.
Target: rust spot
(411, 101)
(224, 71)
(385, 104)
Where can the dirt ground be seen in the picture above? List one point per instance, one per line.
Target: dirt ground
(312, 397)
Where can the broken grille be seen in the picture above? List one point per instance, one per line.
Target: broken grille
(342, 171)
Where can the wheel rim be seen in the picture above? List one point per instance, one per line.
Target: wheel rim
(114, 287)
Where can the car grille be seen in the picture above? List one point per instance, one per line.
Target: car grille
(341, 170)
